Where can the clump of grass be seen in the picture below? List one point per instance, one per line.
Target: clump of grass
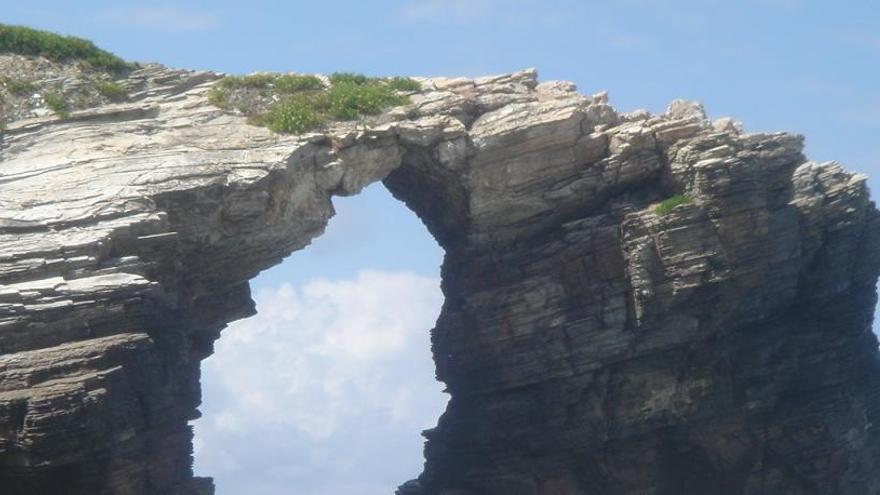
(284, 84)
(218, 96)
(294, 114)
(18, 87)
(305, 103)
(667, 205)
(31, 42)
(348, 78)
(404, 84)
(112, 90)
(253, 81)
(348, 100)
(58, 104)
(292, 83)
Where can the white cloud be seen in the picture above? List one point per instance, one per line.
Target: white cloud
(325, 389)
(161, 17)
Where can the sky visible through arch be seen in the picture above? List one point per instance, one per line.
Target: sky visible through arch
(326, 390)
(296, 402)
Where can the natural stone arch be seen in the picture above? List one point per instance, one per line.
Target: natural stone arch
(590, 345)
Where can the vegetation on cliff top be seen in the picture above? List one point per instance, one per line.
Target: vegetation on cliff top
(88, 77)
(293, 103)
(32, 42)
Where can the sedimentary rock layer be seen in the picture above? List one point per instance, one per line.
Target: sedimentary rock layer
(590, 345)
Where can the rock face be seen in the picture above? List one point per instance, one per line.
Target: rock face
(591, 346)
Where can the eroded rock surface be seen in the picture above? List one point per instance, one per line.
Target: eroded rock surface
(590, 345)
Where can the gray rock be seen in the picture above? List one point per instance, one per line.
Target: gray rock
(590, 344)
(683, 109)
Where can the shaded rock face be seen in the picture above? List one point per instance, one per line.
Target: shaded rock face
(590, 345)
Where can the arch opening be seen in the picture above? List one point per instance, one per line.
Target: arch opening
(327, 388)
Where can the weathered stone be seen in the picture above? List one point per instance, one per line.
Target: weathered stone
(590, 344)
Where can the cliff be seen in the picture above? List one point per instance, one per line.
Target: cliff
(635, 304)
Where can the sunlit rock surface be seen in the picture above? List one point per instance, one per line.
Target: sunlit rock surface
(591, 346)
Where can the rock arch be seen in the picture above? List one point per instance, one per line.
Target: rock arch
(590, 344)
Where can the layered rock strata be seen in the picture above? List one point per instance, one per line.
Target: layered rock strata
(590, 345)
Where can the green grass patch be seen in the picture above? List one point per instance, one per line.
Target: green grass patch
(294, 114)
(112, 90)
(404, 84)
(218, 96)
(305, 102)
(284, 83)
(348, 78)
(347, 101)
(18, 87)
(292, 83)
(667, 205)
(253, 81)
(58, 104)
(32, 42)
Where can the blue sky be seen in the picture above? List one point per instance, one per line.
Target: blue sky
(297, 403)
